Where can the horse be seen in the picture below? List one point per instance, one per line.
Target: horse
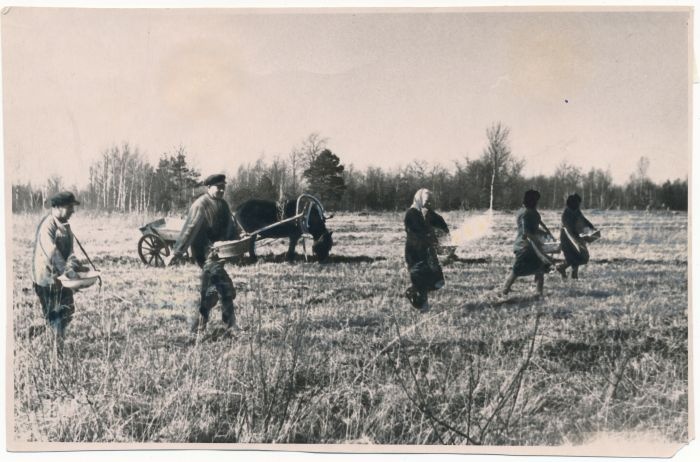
(255, 214)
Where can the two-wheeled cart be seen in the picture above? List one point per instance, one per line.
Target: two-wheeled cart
(159, 236)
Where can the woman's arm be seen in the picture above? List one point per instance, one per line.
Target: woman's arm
(544, 227)
(437, 221)
(531, 226)
(585, 220)
(568, 221)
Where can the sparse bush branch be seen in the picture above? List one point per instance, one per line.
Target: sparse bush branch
(420, 401)
(473, 383)
(512, 389)
(617, 376)
(290, 387)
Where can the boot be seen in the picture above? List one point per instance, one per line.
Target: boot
(574, 273)
(425, 307)
(421, 301)
(228, 317)
(198, 323)
(561, 269)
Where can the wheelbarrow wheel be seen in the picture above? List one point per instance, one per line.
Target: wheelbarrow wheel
(153, 250)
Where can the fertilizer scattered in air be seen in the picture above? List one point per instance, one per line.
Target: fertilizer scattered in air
(475, 227)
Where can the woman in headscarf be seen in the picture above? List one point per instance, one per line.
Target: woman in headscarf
(572, 245)
(421, 249)
(530, 257)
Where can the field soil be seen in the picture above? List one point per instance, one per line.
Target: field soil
(334, 353)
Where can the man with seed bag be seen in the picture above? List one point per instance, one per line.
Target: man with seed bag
(208, 221)
(52, 257)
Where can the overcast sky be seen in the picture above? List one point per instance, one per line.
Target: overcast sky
(594, 89)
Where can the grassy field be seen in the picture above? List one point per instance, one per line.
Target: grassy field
(335, 354)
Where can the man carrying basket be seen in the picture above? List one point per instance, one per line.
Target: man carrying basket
(53, 257)
(208, 221)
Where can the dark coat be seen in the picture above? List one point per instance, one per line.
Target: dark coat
(421, 251)
(574, 248)
(208, 220)
(420, 235)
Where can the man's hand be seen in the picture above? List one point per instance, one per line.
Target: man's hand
(213, 254)
(71, 274)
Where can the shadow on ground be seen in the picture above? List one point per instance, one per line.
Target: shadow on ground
(282, 258)
(512, 301)
(456, 259)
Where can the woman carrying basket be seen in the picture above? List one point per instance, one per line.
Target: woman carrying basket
(421, 249)
(530, 257)
(572, 245)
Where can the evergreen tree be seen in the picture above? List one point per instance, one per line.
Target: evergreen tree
(185, 179)
(175, 183)
(325, 177)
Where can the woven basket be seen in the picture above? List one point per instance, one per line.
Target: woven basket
(85, 279)
(551, 247)
(590, 235)
(230, 249)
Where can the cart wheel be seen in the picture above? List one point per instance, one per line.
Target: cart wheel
(153, 250)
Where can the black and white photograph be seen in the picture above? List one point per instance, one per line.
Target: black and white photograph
(376, 230)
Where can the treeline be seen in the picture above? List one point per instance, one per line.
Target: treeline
(121, 180)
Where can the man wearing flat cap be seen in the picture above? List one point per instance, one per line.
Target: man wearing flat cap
(53, 256)
(208, 221)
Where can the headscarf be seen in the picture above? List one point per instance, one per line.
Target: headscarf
(418, 199)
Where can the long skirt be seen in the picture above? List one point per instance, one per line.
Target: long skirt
(527, 262)
(426, 274)
(575, 253)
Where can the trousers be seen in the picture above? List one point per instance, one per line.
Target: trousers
(57, 305)
(215, 285)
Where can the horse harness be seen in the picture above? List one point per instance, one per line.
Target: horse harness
(303, 223)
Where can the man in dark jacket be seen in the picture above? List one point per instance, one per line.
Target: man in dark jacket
(208, 221)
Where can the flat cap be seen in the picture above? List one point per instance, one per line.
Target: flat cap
(63, 198)
(215, 179)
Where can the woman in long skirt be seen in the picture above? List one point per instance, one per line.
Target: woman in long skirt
(529, 256)
(420, 222)
(574, 248)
